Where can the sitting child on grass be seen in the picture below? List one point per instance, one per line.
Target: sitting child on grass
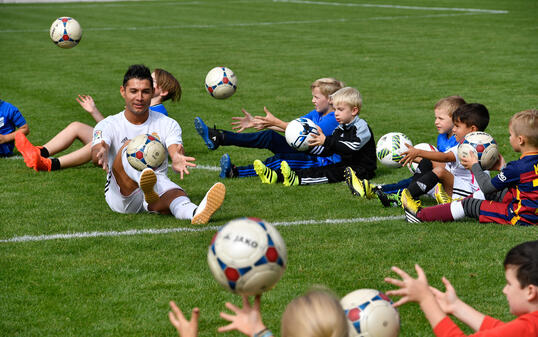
(11, 122)
(353, 140)
(521, 291)
(389, 194)
(517, 202)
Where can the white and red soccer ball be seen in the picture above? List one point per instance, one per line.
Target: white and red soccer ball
(299, 131)
(221, 82)
(370, 314)
(65, 32)
(145, 151)
(247, 256)
(483, 146)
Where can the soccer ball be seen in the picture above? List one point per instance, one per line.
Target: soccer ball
(247, 256)
(390, 147)
(484, 147)
(422, 146)
(299, 131)
(221, 82)
(145, 151)
(370, 314)
(65, 32)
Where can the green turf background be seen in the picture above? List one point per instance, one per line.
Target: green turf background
(401, 59)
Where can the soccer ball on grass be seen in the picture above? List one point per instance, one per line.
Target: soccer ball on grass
(221, 82)
(145, 151)
(390, 147)
(483, 146)
(65, 32)
(298, 133)
(370, 314)
(247, 256)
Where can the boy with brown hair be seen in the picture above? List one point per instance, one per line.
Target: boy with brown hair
(521, 291)
(513, 193)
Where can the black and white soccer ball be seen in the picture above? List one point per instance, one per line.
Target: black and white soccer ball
(299, 131)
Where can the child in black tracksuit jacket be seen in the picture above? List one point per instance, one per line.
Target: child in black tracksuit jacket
(353, 140)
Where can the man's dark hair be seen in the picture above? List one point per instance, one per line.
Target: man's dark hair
(138, 71)
(472, 114)
(525, 257)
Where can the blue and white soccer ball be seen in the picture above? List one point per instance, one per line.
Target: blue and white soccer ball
(221, 82)
(299, 131)
(390, 147)
(370, 314)
(247, 256)
(145, 151)
(483, 146)
(65, 32)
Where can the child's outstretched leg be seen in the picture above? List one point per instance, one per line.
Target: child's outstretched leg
(267, 175)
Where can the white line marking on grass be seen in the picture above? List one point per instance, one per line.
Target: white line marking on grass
(456, 9)
(130, 232)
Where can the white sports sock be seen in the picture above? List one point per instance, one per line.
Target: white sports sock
(182, 208)
(456, 208)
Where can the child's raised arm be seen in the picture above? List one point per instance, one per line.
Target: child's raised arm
(247, 320)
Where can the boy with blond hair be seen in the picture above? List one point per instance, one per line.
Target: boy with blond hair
(514, 189)
(389, 194)
(271, 138)
(353, 140)
(166, 87)
(521, 291)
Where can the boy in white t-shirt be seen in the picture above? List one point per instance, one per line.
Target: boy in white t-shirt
(128, 190)
(456, 180)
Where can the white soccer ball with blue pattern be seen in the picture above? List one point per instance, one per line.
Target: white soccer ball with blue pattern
(390, 147)
(247, 256)
(145, 151)
(299, 131)
(221, 82)
(370, 314)
(483, 146)
(65, 32)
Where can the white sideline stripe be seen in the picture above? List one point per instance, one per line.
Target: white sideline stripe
(29, 238)
(251, 24)
(456, 9)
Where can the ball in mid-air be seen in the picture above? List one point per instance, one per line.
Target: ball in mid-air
(390, 147)
(145, 151)
(370, 314)
(65, 32)
(483, 146)
(247, 256)
(299, 131)
(221, 82)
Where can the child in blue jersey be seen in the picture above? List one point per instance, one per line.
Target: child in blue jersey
(389, 194)
(11, 121)
(512, 195)
(166, 87)
(271, 139)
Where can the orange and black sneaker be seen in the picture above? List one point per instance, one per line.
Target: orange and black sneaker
(43, 164)
(29, 152)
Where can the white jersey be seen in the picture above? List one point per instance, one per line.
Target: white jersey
(465, 183)
(115, 130)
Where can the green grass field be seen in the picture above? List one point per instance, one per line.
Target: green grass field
(402, 55)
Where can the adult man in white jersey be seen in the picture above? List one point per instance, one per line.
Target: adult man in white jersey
(130, 191)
